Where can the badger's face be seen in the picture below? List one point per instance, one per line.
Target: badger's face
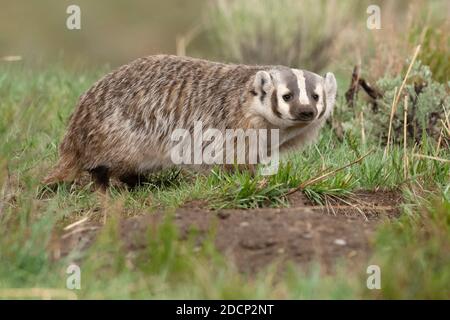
(290, 97)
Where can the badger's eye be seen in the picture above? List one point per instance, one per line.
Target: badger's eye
(287, 97)
(315, 96)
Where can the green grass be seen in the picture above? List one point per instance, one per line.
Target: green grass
(413, 251)
(417, 246)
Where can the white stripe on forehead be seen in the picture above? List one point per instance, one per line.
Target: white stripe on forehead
(302, 86)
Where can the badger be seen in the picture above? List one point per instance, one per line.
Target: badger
(121, 127)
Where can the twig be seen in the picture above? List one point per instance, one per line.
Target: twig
(397, 98)
(354, 86)
(363, 129)
(397, 95)
(43, 293)
(352, 206)
(371, 91)
(445, 127)
(405, 152)
(446, 123)
(2, 198)
(447, 116)
(71, 233)
(431, 157)
(355, 83)
(391, 118)
(4, 191)
(321, 158)
(328, 206)
(438, 147)
(355, 207)
(11, 58)
(77, 223)
(325, 175)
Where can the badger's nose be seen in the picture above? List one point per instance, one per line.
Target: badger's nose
(306, 113)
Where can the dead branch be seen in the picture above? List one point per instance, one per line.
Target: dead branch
(357, 82)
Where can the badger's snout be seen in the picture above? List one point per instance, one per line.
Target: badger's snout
(305, 113)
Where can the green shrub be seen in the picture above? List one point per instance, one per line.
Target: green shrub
(427, 101)
(287, 32)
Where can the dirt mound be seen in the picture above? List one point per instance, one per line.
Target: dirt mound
(256, 238)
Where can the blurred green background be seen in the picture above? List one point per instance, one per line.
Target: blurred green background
(111, 31)
(310, 34)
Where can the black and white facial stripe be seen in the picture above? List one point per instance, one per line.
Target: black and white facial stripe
(296, 96)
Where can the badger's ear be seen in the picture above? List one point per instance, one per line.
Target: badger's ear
(262, 83)
(330, 90)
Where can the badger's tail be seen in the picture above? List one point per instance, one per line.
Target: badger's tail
(66, 170)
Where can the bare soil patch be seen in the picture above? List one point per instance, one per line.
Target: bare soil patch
(255, 238)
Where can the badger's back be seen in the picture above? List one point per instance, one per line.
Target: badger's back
(125, 120)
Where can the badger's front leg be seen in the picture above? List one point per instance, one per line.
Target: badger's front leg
(100, 175)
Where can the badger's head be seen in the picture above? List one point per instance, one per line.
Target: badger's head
(290, 97)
